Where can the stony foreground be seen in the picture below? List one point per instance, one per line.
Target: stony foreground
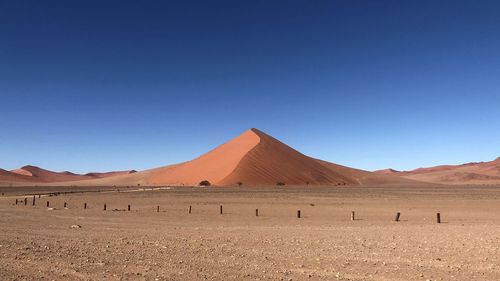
(324, 244)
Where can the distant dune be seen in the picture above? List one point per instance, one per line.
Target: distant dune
(387, 171)
(110, 174)
(38, 175)
(7, 177)
(469, 173)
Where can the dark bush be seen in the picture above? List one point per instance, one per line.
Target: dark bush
(280, 183)
(204, 183)
(239, 183)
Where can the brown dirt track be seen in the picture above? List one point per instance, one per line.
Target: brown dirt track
(38, 244)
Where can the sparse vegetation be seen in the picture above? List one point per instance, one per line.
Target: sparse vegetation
(239, 183)
(204, 183)
(280, 183)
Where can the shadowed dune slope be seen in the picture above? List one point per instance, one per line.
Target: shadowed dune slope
(272, 161)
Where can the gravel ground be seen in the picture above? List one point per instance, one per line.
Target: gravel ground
(37, 243)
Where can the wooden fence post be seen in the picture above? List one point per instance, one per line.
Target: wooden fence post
(398, 214)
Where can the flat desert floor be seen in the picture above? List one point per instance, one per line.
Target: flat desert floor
(38, 243)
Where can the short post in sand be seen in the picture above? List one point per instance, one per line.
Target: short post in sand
(190, 209)
(33, 203)
(48, 204)
(352, 215)
(438, 217)
(158, 209)
(104, 207)
(16, 201)
(84, 206)
(298, 214)
(65, 204)
(25, 201)
(398, 214)
(256, 212)
(221, 209)
(129, 207)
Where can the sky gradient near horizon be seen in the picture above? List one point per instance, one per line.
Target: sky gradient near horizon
(110, 85)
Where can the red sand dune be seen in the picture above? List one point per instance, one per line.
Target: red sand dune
(469, 173)
(253, 158)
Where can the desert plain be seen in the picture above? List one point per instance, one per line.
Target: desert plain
(73, 243)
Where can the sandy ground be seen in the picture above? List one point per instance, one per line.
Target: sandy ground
(39, 244)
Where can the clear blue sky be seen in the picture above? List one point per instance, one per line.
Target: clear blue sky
(106, 85)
